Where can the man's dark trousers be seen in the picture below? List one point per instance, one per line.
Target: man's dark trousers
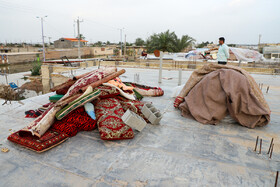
(222, 62)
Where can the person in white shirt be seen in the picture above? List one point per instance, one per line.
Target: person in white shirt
(223, 52)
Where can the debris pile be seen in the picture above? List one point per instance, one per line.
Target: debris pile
(7, 93)
(97, 99)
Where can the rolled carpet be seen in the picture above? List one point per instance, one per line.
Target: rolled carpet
(77, 103)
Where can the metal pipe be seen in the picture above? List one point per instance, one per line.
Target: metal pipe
(271, 151)
(276, 179)
(267, 89)
(256, 143)
(270, 146)
(260, 147)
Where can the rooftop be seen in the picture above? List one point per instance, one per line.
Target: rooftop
(178, 152)
(75, 40)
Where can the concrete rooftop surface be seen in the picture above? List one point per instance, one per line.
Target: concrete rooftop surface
(178, 152)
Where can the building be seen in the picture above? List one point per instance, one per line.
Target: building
(133, 50)
(271, 52)
(5, 50)
(69, 43)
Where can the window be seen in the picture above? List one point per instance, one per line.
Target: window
(275, 55)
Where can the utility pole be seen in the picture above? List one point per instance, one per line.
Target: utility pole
(44, 54)
(42, 25)
(50, 40)
(121, 41)
(79, 38)
(124, 45)
(259, 42)
(74, 29)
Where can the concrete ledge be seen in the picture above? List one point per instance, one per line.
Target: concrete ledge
(184, 66)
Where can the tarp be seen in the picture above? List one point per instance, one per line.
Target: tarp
(167, 56)
(242, 98)
(247, 55)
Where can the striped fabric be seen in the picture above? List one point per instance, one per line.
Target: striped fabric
(77, 103)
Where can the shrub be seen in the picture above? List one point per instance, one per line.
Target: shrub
(36, 67)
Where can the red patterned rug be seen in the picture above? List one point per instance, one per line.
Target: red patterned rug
(49, 140)
(75, 121)
(110, 125)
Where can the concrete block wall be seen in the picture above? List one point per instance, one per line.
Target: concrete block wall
(23, 57)
(24, 49)
(51, 77)
(85, 52)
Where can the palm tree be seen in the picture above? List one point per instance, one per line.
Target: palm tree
(164, 41)
(168, 41)
(184, 42)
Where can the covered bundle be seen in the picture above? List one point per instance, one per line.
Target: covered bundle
(214, 91)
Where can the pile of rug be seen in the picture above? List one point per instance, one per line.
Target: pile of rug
(215, 91)
(109, 99)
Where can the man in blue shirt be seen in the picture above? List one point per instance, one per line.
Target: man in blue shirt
(223, 52)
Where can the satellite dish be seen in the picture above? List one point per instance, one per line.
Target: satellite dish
(157, 53)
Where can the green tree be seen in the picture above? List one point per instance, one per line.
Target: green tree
(203, 44)
(128, 44)
(38, 45)
(116, 52)
(184, 42)
(164, 41)
(82, 37)
(139, 42)
(98, 44)
(168, 41)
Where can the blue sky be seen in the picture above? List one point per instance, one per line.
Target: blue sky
(239, 21)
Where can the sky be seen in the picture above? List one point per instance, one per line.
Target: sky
(239, 21)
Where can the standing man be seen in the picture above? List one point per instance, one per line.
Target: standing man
(223, 52)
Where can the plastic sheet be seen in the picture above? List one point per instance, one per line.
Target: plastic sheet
(247, 55)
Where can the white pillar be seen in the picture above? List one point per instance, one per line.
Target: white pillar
(160, 67)
(180, 77)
